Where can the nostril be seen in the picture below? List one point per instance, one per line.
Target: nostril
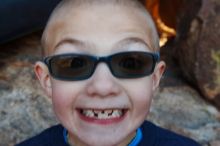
(102, 83)
(103, 89)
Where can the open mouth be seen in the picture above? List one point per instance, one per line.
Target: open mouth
(102, 114)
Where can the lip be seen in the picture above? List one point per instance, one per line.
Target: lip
(108, 121)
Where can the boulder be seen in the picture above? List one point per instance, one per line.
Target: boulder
(197, 46)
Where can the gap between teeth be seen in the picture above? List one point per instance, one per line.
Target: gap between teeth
(102, 114)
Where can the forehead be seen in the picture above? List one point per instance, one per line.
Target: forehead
(100, 25)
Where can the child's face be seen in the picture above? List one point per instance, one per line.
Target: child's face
(101, 31)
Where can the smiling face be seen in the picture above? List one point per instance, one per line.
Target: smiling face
(102, 110)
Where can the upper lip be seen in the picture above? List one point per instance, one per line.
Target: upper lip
(104, 103)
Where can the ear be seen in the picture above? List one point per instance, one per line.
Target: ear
(43, 76)
(158, 72)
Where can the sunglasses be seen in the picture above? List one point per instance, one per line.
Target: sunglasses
(74, 67)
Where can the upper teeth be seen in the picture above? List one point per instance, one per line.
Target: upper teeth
(102, 114)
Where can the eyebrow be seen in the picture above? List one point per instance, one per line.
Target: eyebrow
(131, 40)
(82, 44)
(71, 41)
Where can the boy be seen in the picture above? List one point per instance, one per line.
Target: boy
(101, 69)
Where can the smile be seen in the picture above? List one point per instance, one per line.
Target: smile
(102, 114)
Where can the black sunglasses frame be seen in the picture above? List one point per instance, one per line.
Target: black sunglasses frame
(97, 60)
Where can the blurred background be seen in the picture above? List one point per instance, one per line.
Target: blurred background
(187, 102)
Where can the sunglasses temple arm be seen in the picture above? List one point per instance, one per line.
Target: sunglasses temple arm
(157, 56)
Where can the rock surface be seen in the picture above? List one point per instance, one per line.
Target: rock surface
(198, 46)
(25, 110)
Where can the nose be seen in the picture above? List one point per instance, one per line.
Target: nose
(102, 83)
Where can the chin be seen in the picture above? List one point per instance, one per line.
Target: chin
(103, 141)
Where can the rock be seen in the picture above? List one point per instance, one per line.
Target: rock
(181, 109)
(215, 143)
(24, 108)
(197, 47)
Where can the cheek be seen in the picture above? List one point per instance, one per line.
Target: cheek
(61, 94)
(141, 93)
(63, 98)
(142, 101)
(141, 90)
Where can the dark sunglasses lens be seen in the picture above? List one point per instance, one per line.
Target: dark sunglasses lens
(71, 67)
(132, 64)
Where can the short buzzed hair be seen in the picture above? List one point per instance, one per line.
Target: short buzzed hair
(70, 4)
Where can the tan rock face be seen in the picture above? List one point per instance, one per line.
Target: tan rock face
(198, 48)
(215, 143)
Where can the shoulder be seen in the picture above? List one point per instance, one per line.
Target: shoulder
(157, 136)
(51, 136)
